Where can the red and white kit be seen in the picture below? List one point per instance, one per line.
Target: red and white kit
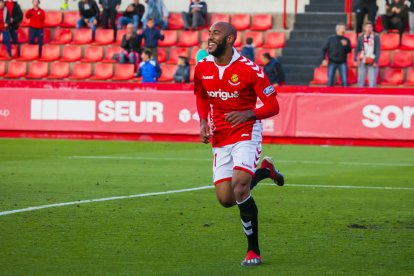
(234, 87)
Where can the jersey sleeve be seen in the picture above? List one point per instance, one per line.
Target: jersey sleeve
(201, 95)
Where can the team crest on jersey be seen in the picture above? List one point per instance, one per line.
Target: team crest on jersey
(234, 80)
(269, 90)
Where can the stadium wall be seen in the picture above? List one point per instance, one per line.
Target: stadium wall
(308, 115)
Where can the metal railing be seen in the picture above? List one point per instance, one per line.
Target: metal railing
(285, 12)
(348, 11)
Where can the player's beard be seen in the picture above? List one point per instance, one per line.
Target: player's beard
(220, 48)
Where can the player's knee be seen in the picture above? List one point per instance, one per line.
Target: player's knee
(227, 203)
(240, 189)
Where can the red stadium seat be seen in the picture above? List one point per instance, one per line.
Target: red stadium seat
(402, 59)
(124, 72)
(192, 70)
(241, 21)
(262, 22)
(81, 71)
(175, 52)
(168, 71)
(62, 36)
(320, 76)
(393, 77)
(2, 68)
(389, 41)
(385, 59)
(274, 40)
(260, 52)
(52, 19)
(59, 70)
(70, 19)
(4, 55)
(219, 17)
(71, 53)
(410, 77)
(350, 60)
(407, 42)
(23, 35)
(188, 39)
(47, 34)
(104, 37)
(93, 54)
(175, 21)
(50, 52)
(82, 36)
(38, 70)
(193, 56)
(239, 39)
(25, 21)
(352, 38)
(103, 71)
(162, 55)
(119, 35)
(29, 52)
(16, 70)
(257, 38)
(352, 77)
(170, 39)
(110, 52)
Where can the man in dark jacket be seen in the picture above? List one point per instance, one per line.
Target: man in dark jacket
(151, 35)
(273, 69)
(4, 25)
(362, 8)
(131, 45)
(196, 15)
(395, 17)
(89, 13)
(182, 74)
(16, 17)
(109, 10)
(337, 48)
(132, 14)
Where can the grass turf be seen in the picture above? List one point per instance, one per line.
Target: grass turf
(303, 230)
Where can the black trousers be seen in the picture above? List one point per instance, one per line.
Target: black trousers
(109, 15)
(360, 13)
(389, 22)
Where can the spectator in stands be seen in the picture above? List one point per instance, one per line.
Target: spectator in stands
(196, 15)
(273, 69)
(151, 35)
(156, 10)
(410, 5)
(109, 10)
(37, 17)
(133, 14)
(4, 26)
(182, 74)
(395, 17)
(367, 53)
(202, 52)
(89, 13)
(131, 45)
(337, 48)
(248, 50)
(65, 5)
(149, 69)
(16, 17)
(362, 8)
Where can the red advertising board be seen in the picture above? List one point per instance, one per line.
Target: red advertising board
(315, 115)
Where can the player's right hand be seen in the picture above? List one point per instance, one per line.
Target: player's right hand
(205, 134)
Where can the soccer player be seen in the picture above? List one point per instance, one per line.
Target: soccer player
(227, 86)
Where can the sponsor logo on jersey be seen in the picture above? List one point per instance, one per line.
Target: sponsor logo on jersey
(269, 90)
(208, 77)
(223, 95)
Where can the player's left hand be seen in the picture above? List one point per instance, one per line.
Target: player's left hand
(236, 118)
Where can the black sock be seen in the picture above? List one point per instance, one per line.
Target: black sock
(259, 176)
(248, 215)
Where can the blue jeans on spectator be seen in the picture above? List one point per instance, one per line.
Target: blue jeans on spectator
(159, 23)
(123, 20)
(343, 71)
(124, 58)
(6, 41)
(36, 33)
(81, 23)
(13, 36)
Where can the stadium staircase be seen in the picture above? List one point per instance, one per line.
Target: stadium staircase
(303, 50)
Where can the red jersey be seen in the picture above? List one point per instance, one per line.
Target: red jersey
(3, 17)
(37, 17)
(234, 87)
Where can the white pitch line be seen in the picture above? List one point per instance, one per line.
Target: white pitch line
(34, 208)
(278, 161)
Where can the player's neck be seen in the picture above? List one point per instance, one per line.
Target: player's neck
(224, 59)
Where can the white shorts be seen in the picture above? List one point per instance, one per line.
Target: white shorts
(244, 155)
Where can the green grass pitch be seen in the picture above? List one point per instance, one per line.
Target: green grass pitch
(304, 230)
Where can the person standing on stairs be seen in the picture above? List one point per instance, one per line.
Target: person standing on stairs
(362, 8)
(337, 48)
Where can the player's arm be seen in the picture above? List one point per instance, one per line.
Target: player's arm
(203, 107)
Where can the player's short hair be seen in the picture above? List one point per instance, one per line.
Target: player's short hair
(340, 24)
(147, 52)
(249, 41)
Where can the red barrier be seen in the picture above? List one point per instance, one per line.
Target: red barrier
(303, 115)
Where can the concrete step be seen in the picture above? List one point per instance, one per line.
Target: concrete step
(315, 25)
(298, 69)
(311, 34)
(305, 43)
(300, 60)
(298, 79)
(335, 7)
(321, 16)
(300, 51)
